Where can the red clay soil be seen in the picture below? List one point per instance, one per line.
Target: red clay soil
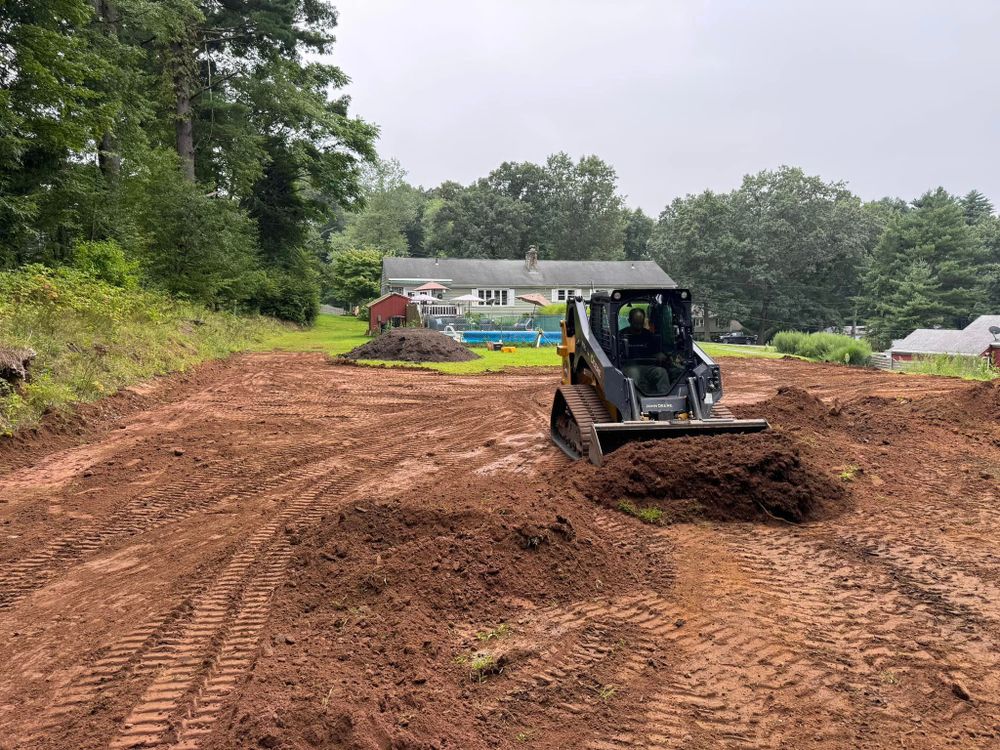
(443, 583)
(413, 345)
(284, 553)
(722, 478)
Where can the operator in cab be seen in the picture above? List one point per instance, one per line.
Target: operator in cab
(642, 357)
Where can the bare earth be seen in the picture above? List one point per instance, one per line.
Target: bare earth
(280, 552)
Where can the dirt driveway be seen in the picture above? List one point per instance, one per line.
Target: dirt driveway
(278, 552)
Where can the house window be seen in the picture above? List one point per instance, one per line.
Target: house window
(561, 295)
(396, 289)
(494, 296)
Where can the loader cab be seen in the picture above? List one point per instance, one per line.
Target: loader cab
(647, 334)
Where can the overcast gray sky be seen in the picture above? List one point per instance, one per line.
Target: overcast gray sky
(892, 96)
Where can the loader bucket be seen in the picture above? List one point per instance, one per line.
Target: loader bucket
(610, 436)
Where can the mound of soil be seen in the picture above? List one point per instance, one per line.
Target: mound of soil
(413, 345)
(371, 639)
(792, 409)
(722, 478)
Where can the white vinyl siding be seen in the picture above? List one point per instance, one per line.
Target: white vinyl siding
(495, 297)
(561, 295)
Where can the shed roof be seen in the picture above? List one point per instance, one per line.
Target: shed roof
(386, 296)
(974, 339)
(472, 272)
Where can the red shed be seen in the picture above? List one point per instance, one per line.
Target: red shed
(382, 310)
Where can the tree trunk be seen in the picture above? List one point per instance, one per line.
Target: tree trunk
(108, 158)
(762, 336)
(183, 115)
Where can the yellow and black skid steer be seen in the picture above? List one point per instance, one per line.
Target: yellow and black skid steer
(631, 371)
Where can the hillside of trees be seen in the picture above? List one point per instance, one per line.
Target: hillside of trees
(197, 138)
(199, 145)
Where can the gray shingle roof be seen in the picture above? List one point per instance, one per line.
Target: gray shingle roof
(471, 272)
(974, 339)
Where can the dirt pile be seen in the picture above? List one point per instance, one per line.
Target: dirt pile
(396, 617)
(413, 345)
(977, 402)
(792, 409)
(724, 477)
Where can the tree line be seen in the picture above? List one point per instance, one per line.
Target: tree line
(789, 250)
(783, 250)
(204, 146)
(198, 138)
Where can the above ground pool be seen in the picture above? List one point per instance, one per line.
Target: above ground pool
(510, 337)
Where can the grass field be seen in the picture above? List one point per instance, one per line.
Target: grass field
(336, 334)
(332, 334)
(339, 334)
(739, 350)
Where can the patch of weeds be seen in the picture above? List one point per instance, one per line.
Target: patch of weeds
(375, 582)
(500, 631)
(850, 473)
(606, 692)
(646, 515)
(889, 678)
(480, 665)
(524, 736)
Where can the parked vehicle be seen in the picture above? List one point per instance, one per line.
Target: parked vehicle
(737, 337)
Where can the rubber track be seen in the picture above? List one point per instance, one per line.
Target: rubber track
(586, 408)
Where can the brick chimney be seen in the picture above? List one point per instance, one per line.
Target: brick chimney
(531, 259)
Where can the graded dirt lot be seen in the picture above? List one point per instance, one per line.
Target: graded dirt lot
(278, 552)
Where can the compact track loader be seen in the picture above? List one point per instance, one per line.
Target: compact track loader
(632, 371)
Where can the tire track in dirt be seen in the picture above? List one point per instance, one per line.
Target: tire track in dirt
(605, 649)
(226, 619)
(174, 501)
(240, 641)
(812, 632)
(183, 701)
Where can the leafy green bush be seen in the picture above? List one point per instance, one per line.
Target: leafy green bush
(852, 352)
(826, 347)
(93, 337)
(557, 308)
(788, 342)
(106, 261)
(288, 296)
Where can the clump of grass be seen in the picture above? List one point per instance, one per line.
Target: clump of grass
(952, 365)
(480, 665)
(850, 473)
(500, 631)
(606, 692)
(646, 515)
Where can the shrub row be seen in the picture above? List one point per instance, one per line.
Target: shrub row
(826, 347)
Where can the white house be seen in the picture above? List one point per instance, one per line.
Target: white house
(498, 283)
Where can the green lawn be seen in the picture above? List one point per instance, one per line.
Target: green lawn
(739, 350)
(488, 361)
(336, 334)
(332, 334)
